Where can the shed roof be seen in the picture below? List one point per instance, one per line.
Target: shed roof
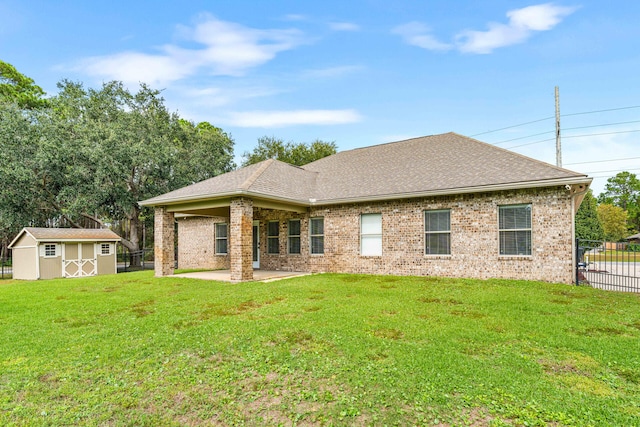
(438, 164)
(68, 234)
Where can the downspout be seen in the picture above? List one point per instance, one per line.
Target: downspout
(574, 261)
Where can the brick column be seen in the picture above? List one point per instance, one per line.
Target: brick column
(241, 239)
(164, 252)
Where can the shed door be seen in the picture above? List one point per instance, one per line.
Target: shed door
(79, 260)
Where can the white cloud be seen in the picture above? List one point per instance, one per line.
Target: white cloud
(344, 26)
(417, 34)
(522, 24)
(226, 48)
(270, 119)
(333, 71)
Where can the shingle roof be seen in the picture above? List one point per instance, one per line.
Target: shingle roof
(41, 233)
(447, 163)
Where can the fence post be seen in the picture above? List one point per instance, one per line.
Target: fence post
(577, 262)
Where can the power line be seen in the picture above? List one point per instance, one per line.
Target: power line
(601, 125)
(615, 170)
(603, 161)
(514, 126)
(562, 115)
(532, 143)
(599, 134)
(601, 111)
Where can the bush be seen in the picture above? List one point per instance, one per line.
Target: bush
(633, 247)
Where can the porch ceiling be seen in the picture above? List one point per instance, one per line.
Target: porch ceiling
(221, 207)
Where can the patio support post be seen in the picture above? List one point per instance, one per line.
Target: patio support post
(164, 251)
(241, 239)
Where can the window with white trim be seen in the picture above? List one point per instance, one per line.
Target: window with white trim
(371, 234)
(105, 249)
(273, 240)
(316, 234)
(437, 232)
(222, 238)
(50, 250)
(293, 236)
(514, 224)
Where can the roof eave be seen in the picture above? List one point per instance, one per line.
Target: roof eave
(236, 193)
(462, 190)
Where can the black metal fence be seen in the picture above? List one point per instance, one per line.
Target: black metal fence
(6, 265)
(135, 260)
(608, 266)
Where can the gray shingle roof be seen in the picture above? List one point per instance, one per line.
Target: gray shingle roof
(446, 163)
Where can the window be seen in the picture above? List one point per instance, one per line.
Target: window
(371, 234)
(50, 250)
(273, 242)
(294, 236)
(105, 248)
(437, 232)
(515, 229)
(222, 237)
(316, 231)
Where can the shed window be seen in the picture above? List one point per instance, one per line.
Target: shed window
(50, 250)
(316, 232)
(273, 240)
(371, 234)
(105, 249)
(222, 238)
(294, 236)
(514, 223)
(437, 232)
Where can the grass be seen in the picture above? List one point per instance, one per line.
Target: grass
(615, 256)
(316, 350)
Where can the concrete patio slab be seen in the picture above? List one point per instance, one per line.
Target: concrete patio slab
(258, 275)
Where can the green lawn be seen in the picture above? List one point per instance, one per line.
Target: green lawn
(615, 256)
(316, 350)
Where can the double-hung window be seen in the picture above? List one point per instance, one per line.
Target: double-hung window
(273, 240)
(316, 234)
(371, 234)
(514, 223)
(222, 238)
(293, 236)
(437, 232)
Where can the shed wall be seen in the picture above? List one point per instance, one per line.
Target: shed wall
(50, 268)
(24, 263)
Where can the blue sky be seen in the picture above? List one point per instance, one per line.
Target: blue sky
(360, 72)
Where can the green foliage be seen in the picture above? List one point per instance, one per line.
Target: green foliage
(19, 89)
(614, 222)
(97, 152)
(623, 190)
(633, 247)
(326, 349)
(293, 153)
(588, 226)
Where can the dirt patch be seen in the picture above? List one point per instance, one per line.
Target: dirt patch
(388, 333)
(143, 308)
(429, 300)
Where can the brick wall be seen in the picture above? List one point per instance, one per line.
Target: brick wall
(474, 238)
(196, 243)
(164, 253)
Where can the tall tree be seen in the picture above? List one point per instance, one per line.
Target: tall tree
(588, 226)
(614, 222)
(18, 88)
(290, 152)
(95, 153)
(623, 190)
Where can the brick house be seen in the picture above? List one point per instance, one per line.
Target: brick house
(441, 205)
